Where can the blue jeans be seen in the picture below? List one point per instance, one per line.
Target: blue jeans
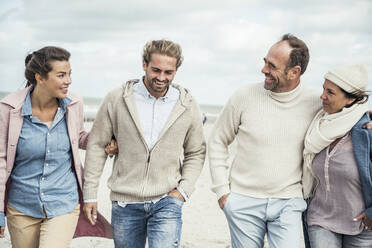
(321, 237)
(250, 218)
(160, 222)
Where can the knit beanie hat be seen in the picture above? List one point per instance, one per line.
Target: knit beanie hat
(350, 78)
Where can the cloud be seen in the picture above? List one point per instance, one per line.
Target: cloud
(223, 41)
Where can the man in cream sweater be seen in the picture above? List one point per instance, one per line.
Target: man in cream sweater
(159, 133)
(261, 192)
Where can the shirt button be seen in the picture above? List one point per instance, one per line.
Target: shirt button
(46, 164)
(48, 151)
(42, 193)
(43, 178)
(48, 134)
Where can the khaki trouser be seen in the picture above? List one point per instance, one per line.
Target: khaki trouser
(30, 232)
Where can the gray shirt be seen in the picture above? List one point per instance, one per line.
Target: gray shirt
(338, 196)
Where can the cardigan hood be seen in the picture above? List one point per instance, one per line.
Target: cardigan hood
(185, 96)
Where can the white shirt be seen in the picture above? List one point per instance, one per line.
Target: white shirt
(153, 113)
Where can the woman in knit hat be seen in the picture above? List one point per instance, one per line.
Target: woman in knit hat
(337, 163)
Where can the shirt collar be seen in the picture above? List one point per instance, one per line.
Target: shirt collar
(27, 106)
(64, 102)
(172, 93)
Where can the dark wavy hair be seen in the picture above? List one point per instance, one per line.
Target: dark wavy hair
(39, 62)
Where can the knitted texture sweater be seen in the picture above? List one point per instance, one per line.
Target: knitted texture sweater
(269, 129)
(139, 175)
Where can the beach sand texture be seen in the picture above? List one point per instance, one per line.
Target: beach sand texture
(204, 224)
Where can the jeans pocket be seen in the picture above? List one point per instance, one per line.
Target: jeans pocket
(291, 213)
(122, 204)
(297, 204)
(175, 200)
(225, 207)
(118, 205)
(302, 204)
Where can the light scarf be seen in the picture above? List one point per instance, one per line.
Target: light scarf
(323, 130)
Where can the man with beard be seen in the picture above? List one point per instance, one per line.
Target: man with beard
(159, 134)
(263, 193)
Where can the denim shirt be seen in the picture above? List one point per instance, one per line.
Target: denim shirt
(42, 177)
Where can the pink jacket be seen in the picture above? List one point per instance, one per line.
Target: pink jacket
(10, 128)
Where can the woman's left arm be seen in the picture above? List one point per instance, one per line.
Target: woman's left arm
(110, 149)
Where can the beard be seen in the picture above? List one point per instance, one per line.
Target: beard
(158, 86)
(271, 83)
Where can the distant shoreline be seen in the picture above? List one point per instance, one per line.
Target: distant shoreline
(91, 105)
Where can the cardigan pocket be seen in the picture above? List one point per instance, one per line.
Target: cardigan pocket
(174, 177)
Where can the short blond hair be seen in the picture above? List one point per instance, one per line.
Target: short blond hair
(165, 47)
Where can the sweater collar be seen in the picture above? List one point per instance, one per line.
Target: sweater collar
(285, 97)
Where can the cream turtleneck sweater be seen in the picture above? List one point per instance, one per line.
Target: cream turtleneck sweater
(269, 129)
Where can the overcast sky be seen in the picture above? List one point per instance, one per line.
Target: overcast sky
(223, 42)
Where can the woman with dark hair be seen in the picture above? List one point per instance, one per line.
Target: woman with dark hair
(337, 164)
(41, 130)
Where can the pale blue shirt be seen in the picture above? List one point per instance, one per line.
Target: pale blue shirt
(43, 183)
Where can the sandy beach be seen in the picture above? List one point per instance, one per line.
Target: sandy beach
(204, 224)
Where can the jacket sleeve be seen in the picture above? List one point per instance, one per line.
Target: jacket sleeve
(369, 175)
(222, 135)
(95, 158)
(369, 213)
(83, 135)
(369, 191)
(4, 129)
(362, 143)
(194, 152)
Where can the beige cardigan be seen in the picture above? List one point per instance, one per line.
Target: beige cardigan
(138, 174)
